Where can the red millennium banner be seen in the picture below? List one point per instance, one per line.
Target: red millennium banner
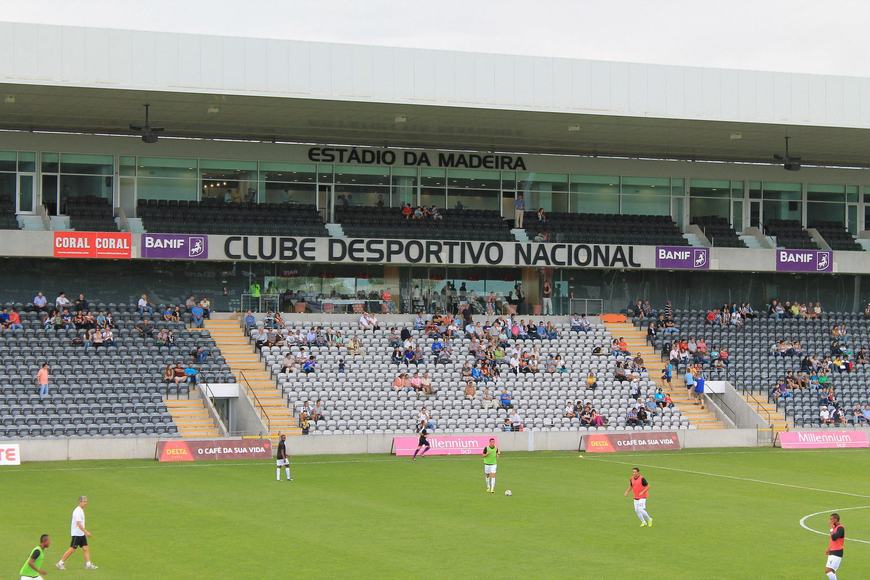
(619, 442)
(107, 245)
(213, 449)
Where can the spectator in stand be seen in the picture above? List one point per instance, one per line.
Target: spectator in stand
(81, 304)
(61, 301)
(144, 306)
(250, 320)
(516, 420)
(579, 323)
(42, 380)
(631, 418)
(367, 321)
(169, 374)
(470, 390)
(547, 292)
(504, 399)
(426, 384)
(310, 365)
(39, 301)
(205, 304)
(14, 321)
(197, 316)
(570, 411)
(519, 210)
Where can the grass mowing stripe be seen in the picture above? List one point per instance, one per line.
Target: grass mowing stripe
(736, 478)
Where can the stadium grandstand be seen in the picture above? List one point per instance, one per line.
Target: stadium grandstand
(292, 243)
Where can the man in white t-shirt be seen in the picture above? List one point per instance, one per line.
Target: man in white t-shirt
(80, 535)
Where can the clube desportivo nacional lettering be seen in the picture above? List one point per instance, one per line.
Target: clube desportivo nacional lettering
(289, 249)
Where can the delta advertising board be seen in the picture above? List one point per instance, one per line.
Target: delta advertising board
(620, 442)
(824, 440)
(10, 454)
(213, 449)
(443, 445)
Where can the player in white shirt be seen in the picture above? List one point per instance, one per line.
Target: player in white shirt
(80, 535)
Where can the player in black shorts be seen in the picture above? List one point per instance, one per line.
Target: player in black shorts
(281, 459)
(422, 444)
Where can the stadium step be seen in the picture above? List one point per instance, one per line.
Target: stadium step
(636, 340)
(260, 388)
(192, 418)
(768, 411)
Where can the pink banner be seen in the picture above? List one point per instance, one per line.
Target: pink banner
(823, 439)
(443, 444)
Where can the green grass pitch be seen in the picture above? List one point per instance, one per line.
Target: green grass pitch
(717, 514)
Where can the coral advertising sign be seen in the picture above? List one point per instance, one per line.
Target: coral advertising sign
(443, 445)
(213, 449)
(105, 245)
(617, 443)
(824, 440)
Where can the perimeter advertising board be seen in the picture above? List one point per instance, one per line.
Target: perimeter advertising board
(213, 449)
(443, 445)
(106, 245)
(620, 442)
(10, 454)
(824, 440)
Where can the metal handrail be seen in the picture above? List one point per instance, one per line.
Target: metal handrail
(208, 395)
(759, 407)
(249, 391)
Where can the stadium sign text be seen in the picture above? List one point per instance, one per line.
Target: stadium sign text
(414, 158)
(383, 251)
(10, 454)
(443, 445)
(619, 442)
(213, 449)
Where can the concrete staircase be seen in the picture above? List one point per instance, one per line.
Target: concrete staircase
(767, 411)
(636, 339)
(520, 234)
(335, 230)
(192, 418)
(251, 374)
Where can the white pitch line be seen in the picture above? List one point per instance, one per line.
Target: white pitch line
(736, 478)
(803, 521)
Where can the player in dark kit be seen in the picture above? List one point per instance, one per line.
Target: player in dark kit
(835, 547)
(281, 459)
(422, 444)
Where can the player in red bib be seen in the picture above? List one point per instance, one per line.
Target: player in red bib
(639, 487)
(835, 547)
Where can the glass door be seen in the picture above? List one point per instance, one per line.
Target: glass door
(26, 191)
(755, 213)
(852, 218)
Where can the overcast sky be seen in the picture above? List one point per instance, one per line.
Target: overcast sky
(820, 36)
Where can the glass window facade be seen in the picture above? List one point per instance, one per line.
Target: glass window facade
(826, 203)
(594, 194)
(228, 181)
(365, 185)
(58, 176)
(781, 201)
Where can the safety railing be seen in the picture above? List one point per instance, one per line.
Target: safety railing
(586, 306)
(261, 303)
(207, 397)
(251, 394)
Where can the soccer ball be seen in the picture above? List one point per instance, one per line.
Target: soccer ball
(508, 492)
